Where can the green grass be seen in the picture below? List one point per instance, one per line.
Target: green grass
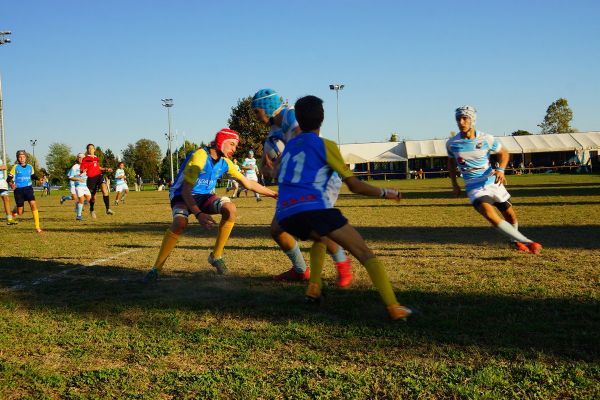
(494, 324)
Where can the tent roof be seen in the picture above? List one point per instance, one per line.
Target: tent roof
(425, 148)
(358, 153)
(547, 143)
(588, 140)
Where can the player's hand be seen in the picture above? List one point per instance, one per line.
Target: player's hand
(109, 169)
(500, 178)
(456, 191)
(13, 186)
(206, 220)
(392, 194)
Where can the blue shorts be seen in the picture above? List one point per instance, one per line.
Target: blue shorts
(321, 221)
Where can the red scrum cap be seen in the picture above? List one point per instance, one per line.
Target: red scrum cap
(226, 134)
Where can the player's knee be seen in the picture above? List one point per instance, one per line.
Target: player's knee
(226, 208)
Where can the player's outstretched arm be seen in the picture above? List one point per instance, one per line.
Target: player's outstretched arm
(256, 187)
(359, 187)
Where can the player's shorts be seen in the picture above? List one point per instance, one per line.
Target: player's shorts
(494, 193)
(73, 190)
(82, 191)
(121, 187)
(332, 191)
(23, 194)
(3, 188)
(320, 221)
(94, 183)
(208, 204)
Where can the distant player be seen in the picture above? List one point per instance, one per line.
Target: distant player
(121, 184)
(233, 184)
(4, 195)
(95, 180)
(20, 178)
(249, 169)
(303, 208)
(193, 193)
(82, 192)
(270, 110)
(470, 150)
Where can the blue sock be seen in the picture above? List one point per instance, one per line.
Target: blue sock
(339, 255)
(79, 209)
(296, 258)
(508, 230)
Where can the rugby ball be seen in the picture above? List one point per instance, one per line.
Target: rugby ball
(273, 147)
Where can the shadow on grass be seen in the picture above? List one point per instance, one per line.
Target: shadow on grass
(507, 325)
(563, 236)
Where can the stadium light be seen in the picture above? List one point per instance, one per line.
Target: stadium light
(168, 103)
(3, 40)
(337, 87)
(33, 143)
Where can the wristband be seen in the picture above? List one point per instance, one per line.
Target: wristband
(500, 169)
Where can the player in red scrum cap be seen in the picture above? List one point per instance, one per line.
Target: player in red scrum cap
(193, 193)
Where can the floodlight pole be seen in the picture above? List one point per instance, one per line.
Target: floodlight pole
(33, 143)
(168, 103)
(337, 87)
(3, 40)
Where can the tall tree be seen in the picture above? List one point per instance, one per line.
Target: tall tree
(129, 155)
(147, 158)
(252, 132)
(520, 132)
(58, 161)
(394, 137)
(110, 160)
(558, 118)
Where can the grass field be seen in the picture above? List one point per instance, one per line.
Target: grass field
(494, 323)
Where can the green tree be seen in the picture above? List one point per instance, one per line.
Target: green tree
(58, 162)
(110, 160)
(394, 137)
(129, 155)
(147, 159)
(558, 118)
(252, 132)
(520, 132)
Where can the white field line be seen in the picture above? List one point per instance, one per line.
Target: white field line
(53, 277)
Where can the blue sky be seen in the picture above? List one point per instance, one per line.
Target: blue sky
(82, 71)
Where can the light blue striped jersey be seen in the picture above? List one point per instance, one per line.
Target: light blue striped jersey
(2, 174)
(75, 172)
(250, 173)
(285, 131)
(120, 181)
(473, 158)
(307, 164)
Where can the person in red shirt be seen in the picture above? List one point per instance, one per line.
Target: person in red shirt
(95, 180)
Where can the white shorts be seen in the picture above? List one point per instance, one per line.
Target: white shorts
(495, 191)
(82, 191)
(3, 188)
(121, 187)
(73, 191)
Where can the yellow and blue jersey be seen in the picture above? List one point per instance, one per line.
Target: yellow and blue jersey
(472, 158)
(307, 164)
(22, 175)
(202, 172)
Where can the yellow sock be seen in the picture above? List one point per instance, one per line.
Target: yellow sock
(36, 218)
(168, 244)
(317, 259)
(225, 228)
(381, 281)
